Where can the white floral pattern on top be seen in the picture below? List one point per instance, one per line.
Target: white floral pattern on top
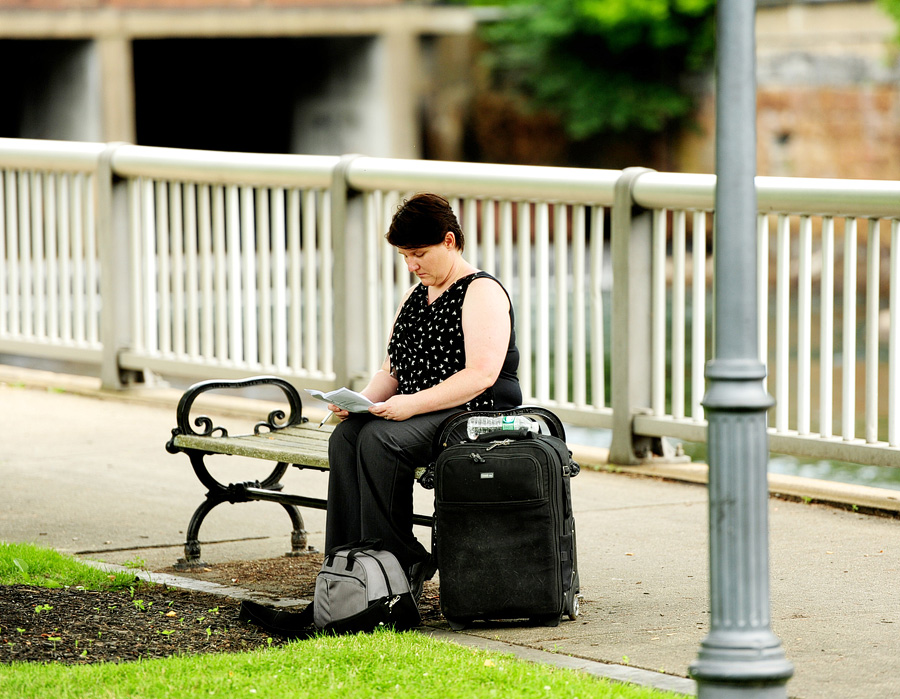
(427, 345)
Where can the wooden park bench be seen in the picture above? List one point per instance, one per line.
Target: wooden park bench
(285, 439)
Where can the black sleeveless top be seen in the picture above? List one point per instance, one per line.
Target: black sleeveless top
(427, 346)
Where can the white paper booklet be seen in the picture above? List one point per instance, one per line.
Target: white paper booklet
(343, 398)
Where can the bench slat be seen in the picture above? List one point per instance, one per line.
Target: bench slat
(301, 445)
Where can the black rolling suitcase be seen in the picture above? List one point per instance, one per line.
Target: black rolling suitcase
(504, 531)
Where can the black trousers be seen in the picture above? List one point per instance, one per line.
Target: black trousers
(371, 478)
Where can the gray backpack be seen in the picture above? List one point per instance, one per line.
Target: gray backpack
(359, 588)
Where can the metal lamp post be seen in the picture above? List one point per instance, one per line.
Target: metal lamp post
(741, 656)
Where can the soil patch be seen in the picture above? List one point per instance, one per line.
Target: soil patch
(71, 626)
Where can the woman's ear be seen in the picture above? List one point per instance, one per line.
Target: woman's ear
(449, 240)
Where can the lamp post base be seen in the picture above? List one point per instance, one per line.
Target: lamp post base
(731, 665)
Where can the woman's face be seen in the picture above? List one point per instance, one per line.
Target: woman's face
(430, 264)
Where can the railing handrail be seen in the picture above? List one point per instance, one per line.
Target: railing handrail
(788, 195)
(513, 182)
(219, 167)
(34, 154)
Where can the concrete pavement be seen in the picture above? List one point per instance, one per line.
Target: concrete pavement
(86, 473)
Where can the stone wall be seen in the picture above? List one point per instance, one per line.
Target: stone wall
(828, 95)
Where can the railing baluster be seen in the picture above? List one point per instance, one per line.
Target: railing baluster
(658, 314)
(826, 341)
(207, 275)
(679, 315)
(848, 344)
(762, 290)
(782, 323)
(579, 316)
(54, 290)
(469, 224)
(698, 312)
(310, 302)
(248, 259)
(294, 319)
(561, 316)
(274, 339)
(804, 327)
(37, 237)
(79, 239)
(176, 226)
(873, 285)
(326, 300)
(488, 237)
(93, 275)
(65, 257)
(598, 332)
(894, 340)
(4, 260)
(192, 278)
(374, 329)
(12, 241)
(402, 277)
(136, 274)
(392, 271)
(507, 259)
(523, 301)
(220, 272)
(542, 296)
(25, 255)
(265, 282)
(235, 283)
(163, 283)
(150, 307)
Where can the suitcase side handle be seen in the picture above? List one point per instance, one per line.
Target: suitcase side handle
(445, 429)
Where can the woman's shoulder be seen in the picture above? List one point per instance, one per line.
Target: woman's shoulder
(485, 287)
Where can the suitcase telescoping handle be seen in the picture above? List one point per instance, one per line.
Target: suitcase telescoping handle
(554, 424)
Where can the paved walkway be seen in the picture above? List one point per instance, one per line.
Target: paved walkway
(86, 473)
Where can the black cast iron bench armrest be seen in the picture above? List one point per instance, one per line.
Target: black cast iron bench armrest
(287, 439)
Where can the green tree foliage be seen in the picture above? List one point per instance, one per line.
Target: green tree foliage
(602, 65)
(892, 7)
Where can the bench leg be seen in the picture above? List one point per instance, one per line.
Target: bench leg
(299, 537)
(269, 489)
(192, 558)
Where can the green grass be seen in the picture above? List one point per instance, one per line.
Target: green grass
(26, 564)
(383, 664)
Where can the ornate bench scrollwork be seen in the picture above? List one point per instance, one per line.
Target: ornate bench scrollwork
(201, 438)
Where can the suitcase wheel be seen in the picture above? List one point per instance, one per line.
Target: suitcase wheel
(574, 607)
(573, 597)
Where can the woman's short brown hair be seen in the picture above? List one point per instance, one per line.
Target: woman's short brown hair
(424, 220)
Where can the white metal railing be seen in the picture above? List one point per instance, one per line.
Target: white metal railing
(223, 264)
(49, 275)
(230, 262)
(805, 334)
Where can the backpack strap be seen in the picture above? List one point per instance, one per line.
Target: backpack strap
(296, 625)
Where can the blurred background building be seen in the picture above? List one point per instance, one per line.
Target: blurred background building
(403, 79)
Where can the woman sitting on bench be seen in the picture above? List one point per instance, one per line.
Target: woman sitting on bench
(452, 347)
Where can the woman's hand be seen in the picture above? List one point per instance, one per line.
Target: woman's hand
(397, 407)
(340, 414)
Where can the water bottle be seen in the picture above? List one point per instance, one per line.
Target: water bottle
(480, 424)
